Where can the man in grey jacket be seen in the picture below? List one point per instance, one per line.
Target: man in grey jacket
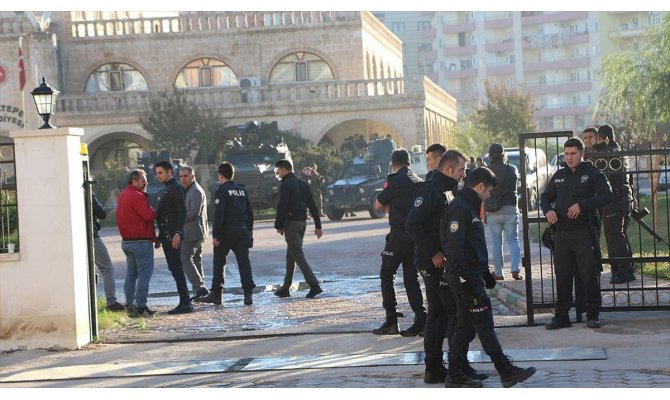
(195, 231)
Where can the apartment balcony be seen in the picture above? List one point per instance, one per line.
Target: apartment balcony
(455, 27)
(563, 109)
(429, 33)
(500, 69)
(427, 13)
(271, 99)
(579, 38)
(499, 45)
(461, 73)
(459, 51)
(500, 23)
(430, 55)
(466, 96)
(553, 17)
(627, 31)
(559, 88)
(567, 63)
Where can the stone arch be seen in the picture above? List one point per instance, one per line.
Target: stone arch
(336, 132)
(116, 60)
(186, 61)
(121, 147)
(272, 63)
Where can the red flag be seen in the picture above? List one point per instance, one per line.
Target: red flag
(22, 71)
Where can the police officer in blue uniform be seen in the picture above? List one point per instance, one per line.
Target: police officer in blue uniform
(570, 203)
(232, 230)
(423, 226)
(464, 243)
(396, 198)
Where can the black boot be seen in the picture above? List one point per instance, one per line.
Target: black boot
(457, 379)
(389, 327)
(509, 374)
(435, 376)
(416, 329)
(214, 297)
(473, 373)
(248, 300)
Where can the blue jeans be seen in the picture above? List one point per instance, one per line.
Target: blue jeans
(140, 259)
(509, 225)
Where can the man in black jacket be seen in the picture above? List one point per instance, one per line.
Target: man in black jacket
(396, 199)
(102, 259)
(423, 226)
(291, 222)
(171, 214)
(232, 230)
(464, 243)
(571, 203)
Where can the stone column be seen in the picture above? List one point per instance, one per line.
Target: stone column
(44, 294)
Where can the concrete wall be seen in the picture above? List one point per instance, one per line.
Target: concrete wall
(44, 302)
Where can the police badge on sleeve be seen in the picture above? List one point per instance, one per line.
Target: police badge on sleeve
(453, 226)
(418, 201)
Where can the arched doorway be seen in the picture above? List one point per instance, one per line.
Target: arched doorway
(118, 149)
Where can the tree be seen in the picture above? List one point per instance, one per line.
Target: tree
(471, 139)
(506, 113)
(305, 153)
(180, 126)
(635, 93)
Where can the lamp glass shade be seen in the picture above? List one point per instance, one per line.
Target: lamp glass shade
(45, 98)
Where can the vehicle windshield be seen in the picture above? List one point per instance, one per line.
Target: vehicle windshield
(352, 170)
(250, 158)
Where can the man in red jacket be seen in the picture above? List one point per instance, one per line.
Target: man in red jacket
(135, 219)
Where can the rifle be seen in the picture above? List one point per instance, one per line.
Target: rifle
(637, 215)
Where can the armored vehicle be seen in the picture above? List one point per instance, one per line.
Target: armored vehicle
(360, 182)
(254, 154)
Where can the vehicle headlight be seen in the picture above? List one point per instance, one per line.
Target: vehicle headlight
(361, 190)
(330, 192)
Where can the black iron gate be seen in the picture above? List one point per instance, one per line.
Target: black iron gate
(648, 230)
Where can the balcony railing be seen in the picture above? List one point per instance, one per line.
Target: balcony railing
(209, 22)
(16, 25)
(233, 98)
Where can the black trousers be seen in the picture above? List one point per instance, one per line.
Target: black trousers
(176, 267)
(470, 322)
(616, 216)
(399, 249)
(239, 243)
(441, 318)
(575, 255)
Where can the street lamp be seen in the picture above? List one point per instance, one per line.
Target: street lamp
(45, 100)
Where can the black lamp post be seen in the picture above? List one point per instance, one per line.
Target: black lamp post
(45, 100)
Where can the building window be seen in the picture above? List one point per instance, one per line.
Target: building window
(422, 26)
(461, 39)
(206, 72)
(397, 27)
(301, 67)
(115, 77)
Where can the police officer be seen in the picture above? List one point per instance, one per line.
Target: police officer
(570, 202)
(423, 226)
(232, 230)
(616, 215)
(464, 243)
(396, 198)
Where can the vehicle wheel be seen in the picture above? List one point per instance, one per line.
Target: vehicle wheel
(334, 214)
(373, 212)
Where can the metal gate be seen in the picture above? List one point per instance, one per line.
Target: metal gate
(648, 229)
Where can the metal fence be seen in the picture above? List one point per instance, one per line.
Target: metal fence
(9, 219)
(648, 228)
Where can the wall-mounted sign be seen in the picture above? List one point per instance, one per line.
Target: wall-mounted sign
(11, 115)
(2, 74)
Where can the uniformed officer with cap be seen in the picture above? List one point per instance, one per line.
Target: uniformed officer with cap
(396, 198)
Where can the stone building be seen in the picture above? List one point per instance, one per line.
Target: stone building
(324, 75)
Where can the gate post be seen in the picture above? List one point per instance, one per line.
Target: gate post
(45, 292)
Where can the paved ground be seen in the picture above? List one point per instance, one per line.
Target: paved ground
(326, 342)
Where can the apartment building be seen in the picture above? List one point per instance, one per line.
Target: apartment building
(556, 56)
